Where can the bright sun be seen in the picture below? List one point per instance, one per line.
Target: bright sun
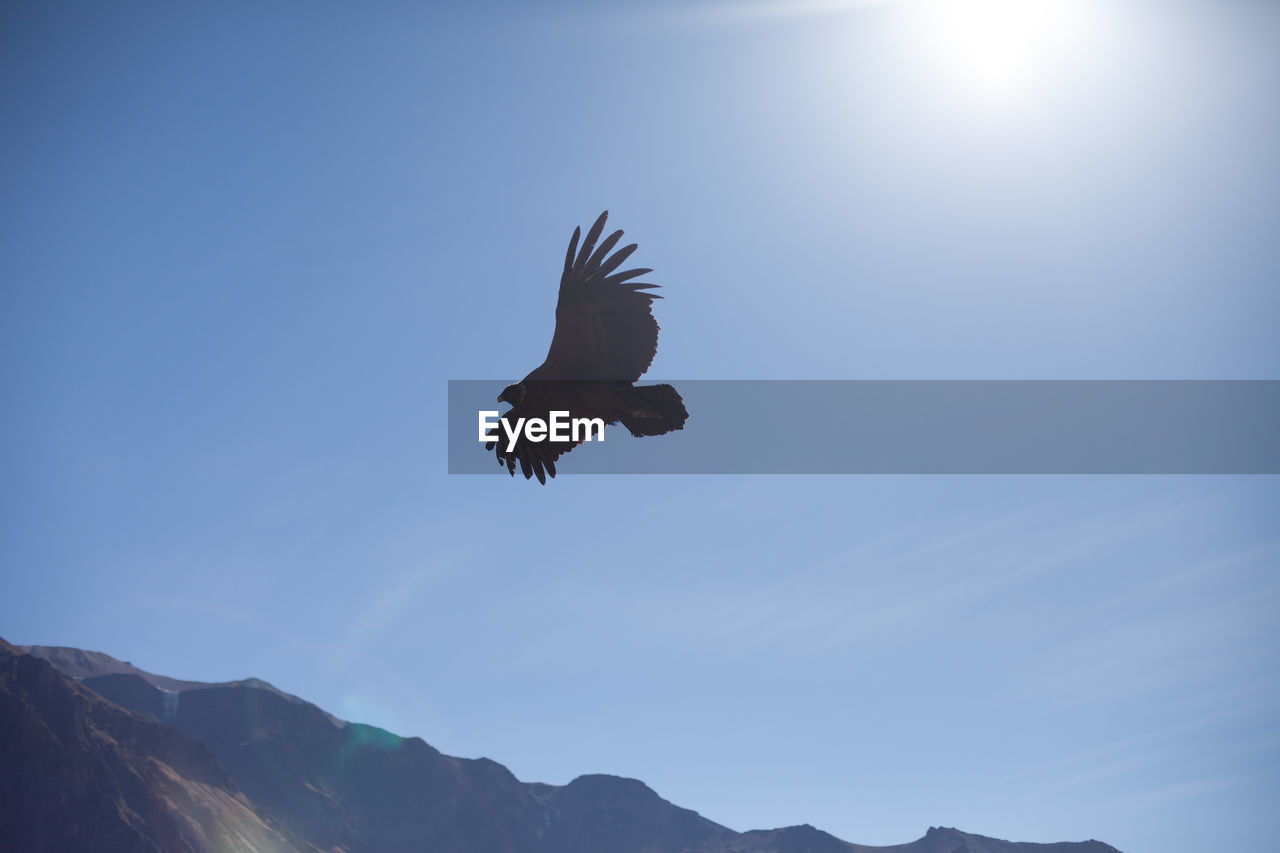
(1000, 49)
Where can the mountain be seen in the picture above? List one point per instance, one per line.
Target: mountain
(80, 773)
(186, 765)
(80, 664)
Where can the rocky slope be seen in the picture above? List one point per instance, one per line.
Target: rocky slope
(79, 773)
(162, 764)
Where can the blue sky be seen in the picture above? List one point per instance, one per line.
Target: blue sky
(243, 250)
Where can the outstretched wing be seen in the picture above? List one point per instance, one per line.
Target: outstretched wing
(536, 459)
(604, 323)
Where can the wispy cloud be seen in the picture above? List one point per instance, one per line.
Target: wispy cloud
(1178, 791)
(912, 582)
(1189, 627)
(389, 600)
(1128, 754)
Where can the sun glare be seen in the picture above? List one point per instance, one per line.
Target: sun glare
(1000, 49)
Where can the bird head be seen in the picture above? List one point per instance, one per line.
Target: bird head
(513, 394)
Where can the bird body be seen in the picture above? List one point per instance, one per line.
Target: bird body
(605, 339)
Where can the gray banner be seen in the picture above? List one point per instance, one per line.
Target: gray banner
(925, 427)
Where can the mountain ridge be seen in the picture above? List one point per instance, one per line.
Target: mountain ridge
(80, 664)
(98, 777)
(327, 784)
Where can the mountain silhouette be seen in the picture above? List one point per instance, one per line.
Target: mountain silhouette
(80, 773)
(94, 748)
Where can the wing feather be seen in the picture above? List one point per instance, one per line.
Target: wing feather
(617, 258)
(605, 327)
(593, 263)
(624, 277)
(590, 242)
(535, 459)
(573, 247)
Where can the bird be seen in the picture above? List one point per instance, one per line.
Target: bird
(605, 339)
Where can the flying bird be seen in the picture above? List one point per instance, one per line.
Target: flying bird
(605, 339)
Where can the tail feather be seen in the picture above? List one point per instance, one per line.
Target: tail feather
(654, 410)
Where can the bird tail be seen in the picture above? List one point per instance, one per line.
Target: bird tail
(654, 410)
